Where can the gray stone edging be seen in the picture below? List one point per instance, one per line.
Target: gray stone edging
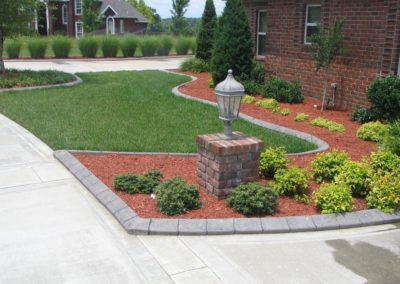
(134, 224)
(69, 84)
(321, 144)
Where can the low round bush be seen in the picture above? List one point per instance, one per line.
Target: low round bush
(195, 65)
(129, 45)
(328, 124)
(166, 44)
(248, 99)
(37, 47)
(391, 141)
(385, 193)
(373, 131)
(253, 198)
(110, 46)
(268, 103)
(176, 197)
(333, 198)
(13, 48)
(61, 46)
(326, 166)
(301, 117)
(384, 161)
(183, 45)
(257, 74)
(283, 91)
(355, 177)
(291, 182)
(272, 160)
(251, 87)
(149, 45)
(88, 46)
(362, 115)
(132, 183)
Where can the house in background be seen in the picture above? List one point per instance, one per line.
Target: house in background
(281, 30)
(65, 17)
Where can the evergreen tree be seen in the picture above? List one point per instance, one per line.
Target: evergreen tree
(233, 47)
(90, 10)
(205, 38)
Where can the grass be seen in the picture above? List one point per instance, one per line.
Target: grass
(28, 78)
(125, 111)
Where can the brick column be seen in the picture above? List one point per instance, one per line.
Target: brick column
(223, 164)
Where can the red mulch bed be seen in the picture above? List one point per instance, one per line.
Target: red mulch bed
(106, 167)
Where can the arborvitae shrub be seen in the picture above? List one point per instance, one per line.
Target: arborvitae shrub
(208, 26)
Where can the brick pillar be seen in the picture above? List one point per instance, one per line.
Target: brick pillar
(223, 164)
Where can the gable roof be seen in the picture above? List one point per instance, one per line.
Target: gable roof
(122, 9)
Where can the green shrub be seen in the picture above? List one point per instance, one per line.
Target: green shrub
(176, 197)
(195, 65)
(362, 115)
(271, 160)
(211, 83)
(391, 141)
(253, 198)
(291, 182)
(385, 193)
(301, 117)
(326, 166)
(88, 46)
(129, 45)
(132, 183)
(206, 34)
(110, 46)
(13, 48)
(251, 87)
(384, 161)
(26, 78)
(384, 95)
(257, 74)
(182, 45)
(268, 103)
(328, 124)
(61, 46)
(354, 177)
(281, 111)
(149, 45)
(166, 44)
(283, 91)
(333, 198)
(373, 131)
(37, 47)
(248, 99)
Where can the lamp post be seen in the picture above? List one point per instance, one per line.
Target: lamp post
(229, 96)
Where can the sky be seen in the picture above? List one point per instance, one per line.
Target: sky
(195, 9)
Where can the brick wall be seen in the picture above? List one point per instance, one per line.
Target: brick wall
(371, 31)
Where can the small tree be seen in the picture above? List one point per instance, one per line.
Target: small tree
(326, 44)
(205, 38)
(178, 21)
(233, 47)
(15, 16)
(90, 10)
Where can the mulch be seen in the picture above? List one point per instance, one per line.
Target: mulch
(106, 166)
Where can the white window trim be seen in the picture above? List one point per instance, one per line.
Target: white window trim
(113, 25)
(76, 8)
(258, 31)
(306, 25)
(76, 29)
(64, 14)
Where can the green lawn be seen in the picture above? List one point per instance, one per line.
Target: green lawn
(125, 111)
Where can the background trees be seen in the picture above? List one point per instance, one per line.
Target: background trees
(178, 20)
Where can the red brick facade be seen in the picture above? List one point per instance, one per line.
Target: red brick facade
(372, 40)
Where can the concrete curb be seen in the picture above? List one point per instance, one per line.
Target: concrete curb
(134, 224)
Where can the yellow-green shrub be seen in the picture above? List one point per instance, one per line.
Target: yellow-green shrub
(383, 162)
(328, 124)
(291, 182)
(326, 166)
(268, 103)
(385, 193)
(354, 177)
(333, 198)
(248, 99)
(373, 131)
(271, 160)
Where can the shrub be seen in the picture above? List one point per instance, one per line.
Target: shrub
(176, 197)
(211, 83)
(326, 166)
(88, 46)
(182, 45)
(385, 193)
(281, 111)
(208, 27)
(61, 46)
(253, 198)
(149, 45)
(166, 44)
(291, 182)
(354, 177)
(391, 141)
(13, 48)
(372, 131)
(384, 95)
(268, 103)
(110, 46)
(132, 183)
(384, 162)
(128, 46)
(328, 124)
(37, 47)
(271, 160)
(251, 87)
(333, 198)
(301, 117)
(26, 78)
(283, 91)
(257, 74)
(362, 115)
(248, 99)
(195, 65)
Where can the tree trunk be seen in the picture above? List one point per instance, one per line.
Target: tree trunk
(326, 77)
(2, 68)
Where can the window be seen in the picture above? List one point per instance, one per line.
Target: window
(64, 14)
(262, 33)
(313, 19)
(78, 7)
(78, 29)
(121, 26)
(110, 25)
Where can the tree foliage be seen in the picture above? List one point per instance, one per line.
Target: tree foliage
(145, 10)
(205, 38)
(90, 10)
(178, 20)
(233, 47)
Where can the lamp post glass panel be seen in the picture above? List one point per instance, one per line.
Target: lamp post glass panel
(229, 96)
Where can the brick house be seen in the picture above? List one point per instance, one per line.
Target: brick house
(65, 17)
(372, 41)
